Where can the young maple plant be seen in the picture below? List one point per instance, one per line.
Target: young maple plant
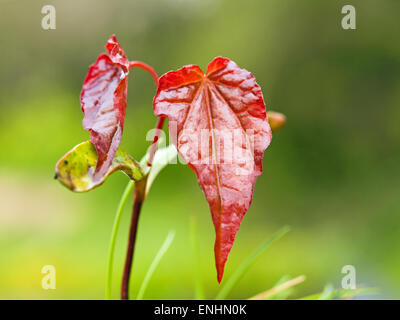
(218, 124)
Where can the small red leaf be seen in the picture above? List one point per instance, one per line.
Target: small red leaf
(219, 125)
(103, 101)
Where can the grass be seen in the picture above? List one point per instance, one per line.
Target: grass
(282, 290)
(114, 232)
(161, 252)
(247, 263)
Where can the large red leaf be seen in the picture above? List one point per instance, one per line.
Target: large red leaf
(103, 101)
(219, 125)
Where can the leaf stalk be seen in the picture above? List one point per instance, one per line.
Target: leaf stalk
(138, 199)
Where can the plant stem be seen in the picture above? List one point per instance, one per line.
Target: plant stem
(139, 194)
(146, 67)
(160, 121)
(114, 233)
(138, 198)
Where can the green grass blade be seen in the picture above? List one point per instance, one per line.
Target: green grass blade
(353, 293)
(198, 286)
(282, 295)
(328, 293)
(167, 242)
(117, 219)
(282, 290)
(314, 296)
(246, 264)
(342, 294)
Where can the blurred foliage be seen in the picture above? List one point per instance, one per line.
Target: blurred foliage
(332, 173)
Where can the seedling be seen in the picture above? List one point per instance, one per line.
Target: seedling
(218, 124)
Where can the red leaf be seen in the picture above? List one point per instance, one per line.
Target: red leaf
(219, 125)
(103, 100)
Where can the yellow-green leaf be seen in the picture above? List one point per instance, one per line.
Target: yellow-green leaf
(75, 170)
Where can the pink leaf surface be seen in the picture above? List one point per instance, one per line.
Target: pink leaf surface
(103, 101)
(219, 125)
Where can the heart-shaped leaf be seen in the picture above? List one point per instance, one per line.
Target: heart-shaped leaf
(76, 169)
(103, 101)
(219, 125)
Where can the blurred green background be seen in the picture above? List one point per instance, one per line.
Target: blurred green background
(332, 173)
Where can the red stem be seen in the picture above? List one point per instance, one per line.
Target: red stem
(138, 198)
(146, 67)
(160, 121)
(139, 194)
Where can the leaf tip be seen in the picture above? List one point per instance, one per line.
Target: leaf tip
(220, 275)
(221, 257)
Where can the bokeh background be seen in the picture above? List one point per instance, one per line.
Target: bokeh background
(332, 174)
